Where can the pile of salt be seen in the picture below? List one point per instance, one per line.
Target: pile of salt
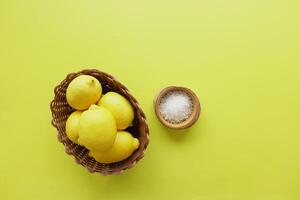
(176, 106)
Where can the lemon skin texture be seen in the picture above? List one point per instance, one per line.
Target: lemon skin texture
(97, 129)
(72, 125)
(125, 144)
(120, 107)
(83, 91)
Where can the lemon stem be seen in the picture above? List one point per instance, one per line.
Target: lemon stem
(92, 82)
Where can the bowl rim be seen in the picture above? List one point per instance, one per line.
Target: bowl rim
(190, 120)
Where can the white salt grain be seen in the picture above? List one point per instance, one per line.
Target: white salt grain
(176, 106)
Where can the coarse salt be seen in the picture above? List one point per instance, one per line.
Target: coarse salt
(176, 106)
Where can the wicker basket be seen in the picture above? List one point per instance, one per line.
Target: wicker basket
(61, 111)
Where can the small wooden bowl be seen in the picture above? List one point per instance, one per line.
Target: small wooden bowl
(189, 121)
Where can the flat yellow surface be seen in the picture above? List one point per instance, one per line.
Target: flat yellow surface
(240, 56)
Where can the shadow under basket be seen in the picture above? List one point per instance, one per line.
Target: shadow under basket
(61, 111)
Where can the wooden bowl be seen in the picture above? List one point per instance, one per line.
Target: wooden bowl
(190, 120)
(61, 111)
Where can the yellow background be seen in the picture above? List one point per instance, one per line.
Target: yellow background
(240, 56)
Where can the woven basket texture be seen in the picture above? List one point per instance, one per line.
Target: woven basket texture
(61, 111)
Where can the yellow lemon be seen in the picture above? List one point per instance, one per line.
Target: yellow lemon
(120, 107)
(97, 129)
(72, 126)
(125, 144)
(83, 91)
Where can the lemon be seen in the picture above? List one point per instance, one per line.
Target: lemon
(120, 107)
(125, 144)
(83, 91)
(97, 129)
(72, 126)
